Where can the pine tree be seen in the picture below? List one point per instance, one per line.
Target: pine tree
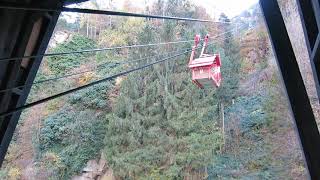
(162, 125)
(230, 62)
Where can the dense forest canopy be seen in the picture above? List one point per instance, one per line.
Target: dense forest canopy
(155, 123)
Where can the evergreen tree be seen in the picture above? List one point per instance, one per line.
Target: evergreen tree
(162, 125)
(230, 62)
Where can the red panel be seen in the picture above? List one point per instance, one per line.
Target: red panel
(201, 73)
(206, 70)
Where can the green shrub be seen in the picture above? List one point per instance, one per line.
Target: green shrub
(74, 136)
(250, 111)
(94, 97)
(64, 63)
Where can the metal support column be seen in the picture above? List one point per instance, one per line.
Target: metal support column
(33, 35)
(309, 11)
(296, 91)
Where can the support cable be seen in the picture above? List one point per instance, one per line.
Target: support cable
(11, 111)
(98, 67)
(95, 50)
(105, 49)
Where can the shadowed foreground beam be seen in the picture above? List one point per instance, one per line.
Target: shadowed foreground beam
(296, 91)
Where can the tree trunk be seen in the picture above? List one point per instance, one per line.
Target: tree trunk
(91, 31)
(87, 29)
(222, 120)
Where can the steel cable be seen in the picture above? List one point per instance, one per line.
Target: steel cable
(94, 50)
(11, 111)
(97, 67)
(101, 65)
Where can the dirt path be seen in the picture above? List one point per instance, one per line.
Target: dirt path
(26, 131)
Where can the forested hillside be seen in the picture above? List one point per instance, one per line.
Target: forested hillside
(155, 123)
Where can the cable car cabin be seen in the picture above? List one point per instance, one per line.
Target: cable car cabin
(205, 69)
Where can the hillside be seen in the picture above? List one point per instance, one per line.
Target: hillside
(155, 123)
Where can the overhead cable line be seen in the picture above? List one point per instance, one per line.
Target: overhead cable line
(97, 67)
(11, 111)
(95, 50)
(101, 12)
(103, 49)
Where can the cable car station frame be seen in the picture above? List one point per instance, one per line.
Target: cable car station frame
(300, 104)
(24, 33)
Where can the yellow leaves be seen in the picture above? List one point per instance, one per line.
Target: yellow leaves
(155, 174)
(13, 152)
(253, 165)
(133, 24)
(51, 157)
(53, 106)
(14, 173)
(298, 169)
(119, 80)
(85, 78)
(112, 38)
(247, 66)
(125, 34)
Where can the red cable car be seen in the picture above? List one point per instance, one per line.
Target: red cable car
(205, 69)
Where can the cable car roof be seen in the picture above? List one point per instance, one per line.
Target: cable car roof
(206, 61)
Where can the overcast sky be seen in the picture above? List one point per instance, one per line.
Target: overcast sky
(230, 7)
(214, 7)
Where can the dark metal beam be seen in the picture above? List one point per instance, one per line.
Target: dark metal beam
(13, 70)
(315, 52)
(22, 33)
(315, 63)
(316, 9)
(33, 37)
(296, 91)
(309, 22)
(309, 14)
(24, 7)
